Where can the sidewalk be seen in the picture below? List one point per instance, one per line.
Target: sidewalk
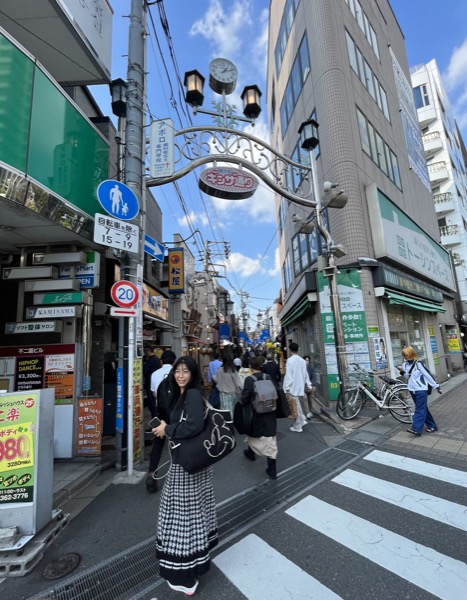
(449, 412)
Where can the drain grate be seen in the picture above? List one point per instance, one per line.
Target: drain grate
(132, 571)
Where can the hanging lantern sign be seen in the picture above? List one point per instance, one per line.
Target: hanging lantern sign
(228, 183)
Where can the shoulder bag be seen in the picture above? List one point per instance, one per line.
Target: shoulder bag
(213, 443)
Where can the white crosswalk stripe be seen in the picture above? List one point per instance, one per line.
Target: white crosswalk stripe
(397, 554)
(418, 502)
(273, 576)
(277, 579)
(418, 467)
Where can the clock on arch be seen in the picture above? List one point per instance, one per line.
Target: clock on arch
(223, 76)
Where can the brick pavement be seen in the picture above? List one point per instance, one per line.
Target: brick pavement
(450, 413)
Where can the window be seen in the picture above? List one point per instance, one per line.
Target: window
(364, 72)
(421, 96)
(286, 273)
(377, 149)
(284, 32)
(296, 256)
(300, 70)
(364, 24)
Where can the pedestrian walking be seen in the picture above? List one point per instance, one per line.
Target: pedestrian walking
(262, 439)
(168, 358)
(296, 381)
(272, 369)
(307, 403)
(418, 380)
(213, 367)
(187, 523)
(151, 363)
(229, 383)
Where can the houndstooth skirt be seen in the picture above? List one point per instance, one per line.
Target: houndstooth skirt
(187, 525)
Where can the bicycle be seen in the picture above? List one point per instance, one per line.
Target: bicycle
(393, 396)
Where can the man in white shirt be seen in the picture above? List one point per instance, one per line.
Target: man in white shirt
(296, 380)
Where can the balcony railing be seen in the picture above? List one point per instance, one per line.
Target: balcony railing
(449, 230)
(432, 136)
(437, 166)
(442, 198)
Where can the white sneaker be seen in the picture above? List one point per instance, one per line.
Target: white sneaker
(309, 416)
(182, 588)
(296, 429)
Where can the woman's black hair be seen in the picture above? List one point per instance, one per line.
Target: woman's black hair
(228, 364)
(196, 379)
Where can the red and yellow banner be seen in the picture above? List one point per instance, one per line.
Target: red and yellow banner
(176, 271)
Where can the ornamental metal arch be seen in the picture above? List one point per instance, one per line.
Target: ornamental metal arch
(211, 144)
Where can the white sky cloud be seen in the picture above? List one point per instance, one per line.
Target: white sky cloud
(455, 79)
(223, 28)
(194, 219)
(243, 265)
(277, 266)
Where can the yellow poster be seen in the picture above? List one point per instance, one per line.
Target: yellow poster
(454, 344)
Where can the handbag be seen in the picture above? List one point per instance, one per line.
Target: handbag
(283, 407)
(243, 418)
(292, 407)
(212, 444)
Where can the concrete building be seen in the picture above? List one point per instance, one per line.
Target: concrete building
(443, 147)
(343, 63)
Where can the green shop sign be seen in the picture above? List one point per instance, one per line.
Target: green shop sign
(59, 298)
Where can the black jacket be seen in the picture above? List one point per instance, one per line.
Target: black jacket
(262, 424)
(272, 369)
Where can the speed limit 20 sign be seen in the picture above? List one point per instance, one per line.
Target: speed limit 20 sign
(124, 293)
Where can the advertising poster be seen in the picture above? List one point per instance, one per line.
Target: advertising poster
(90, 416)
(60, 374)
(137, 407)
(454, 344)
(353, 321)
(29, 373)
(18, 420)
(380, 353)
(433, 344)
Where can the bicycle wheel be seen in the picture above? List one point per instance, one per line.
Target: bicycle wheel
(401, 405)
(349, 403)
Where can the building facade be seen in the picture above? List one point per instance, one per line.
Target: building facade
(343, 63)
(443, 147)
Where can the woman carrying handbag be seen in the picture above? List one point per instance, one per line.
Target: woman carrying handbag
(187, 524)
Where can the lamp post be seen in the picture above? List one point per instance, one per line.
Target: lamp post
(309, 140)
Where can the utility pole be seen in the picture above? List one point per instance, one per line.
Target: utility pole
(134, 178)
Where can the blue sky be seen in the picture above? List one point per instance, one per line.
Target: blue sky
(237, 29)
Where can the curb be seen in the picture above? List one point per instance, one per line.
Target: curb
(77, 485)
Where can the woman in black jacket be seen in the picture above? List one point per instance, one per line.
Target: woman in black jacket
(187, 524)
(262, 439)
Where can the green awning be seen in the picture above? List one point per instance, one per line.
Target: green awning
(413, 302)
(298, 311)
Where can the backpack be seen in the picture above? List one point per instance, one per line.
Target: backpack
(265, 395)
(429, 387)
(165, 396)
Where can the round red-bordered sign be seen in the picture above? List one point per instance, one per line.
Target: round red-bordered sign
(124, 293)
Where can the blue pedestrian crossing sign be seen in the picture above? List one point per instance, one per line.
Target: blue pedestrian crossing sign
(118, 200)
(154, 248)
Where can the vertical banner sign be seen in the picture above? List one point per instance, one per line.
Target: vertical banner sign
(90, 416)
(18, 424)
(60, 374)
(137, 407)
(354, 322)
(119, 407)
(161, 148)
(176, 271)
(434, 344)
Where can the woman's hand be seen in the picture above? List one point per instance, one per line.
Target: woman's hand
(159, 431)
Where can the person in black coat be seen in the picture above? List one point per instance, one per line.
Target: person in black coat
(262, 439)
(151, 364)
(272, 369)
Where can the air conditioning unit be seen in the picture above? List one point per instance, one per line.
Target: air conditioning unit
(186, 329)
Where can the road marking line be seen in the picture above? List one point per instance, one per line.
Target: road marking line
(418, 502)
(432, 571)
(418, 467)
(259, 571)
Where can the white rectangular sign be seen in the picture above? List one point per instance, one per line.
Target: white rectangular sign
(41, 327)
(115, 233)
(117, 311)
(161, 148)
(53, 312)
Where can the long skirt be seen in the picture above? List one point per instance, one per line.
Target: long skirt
(228, 401)
(187, 525)
(263, 446)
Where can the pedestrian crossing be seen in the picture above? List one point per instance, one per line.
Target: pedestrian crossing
(264, 568)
